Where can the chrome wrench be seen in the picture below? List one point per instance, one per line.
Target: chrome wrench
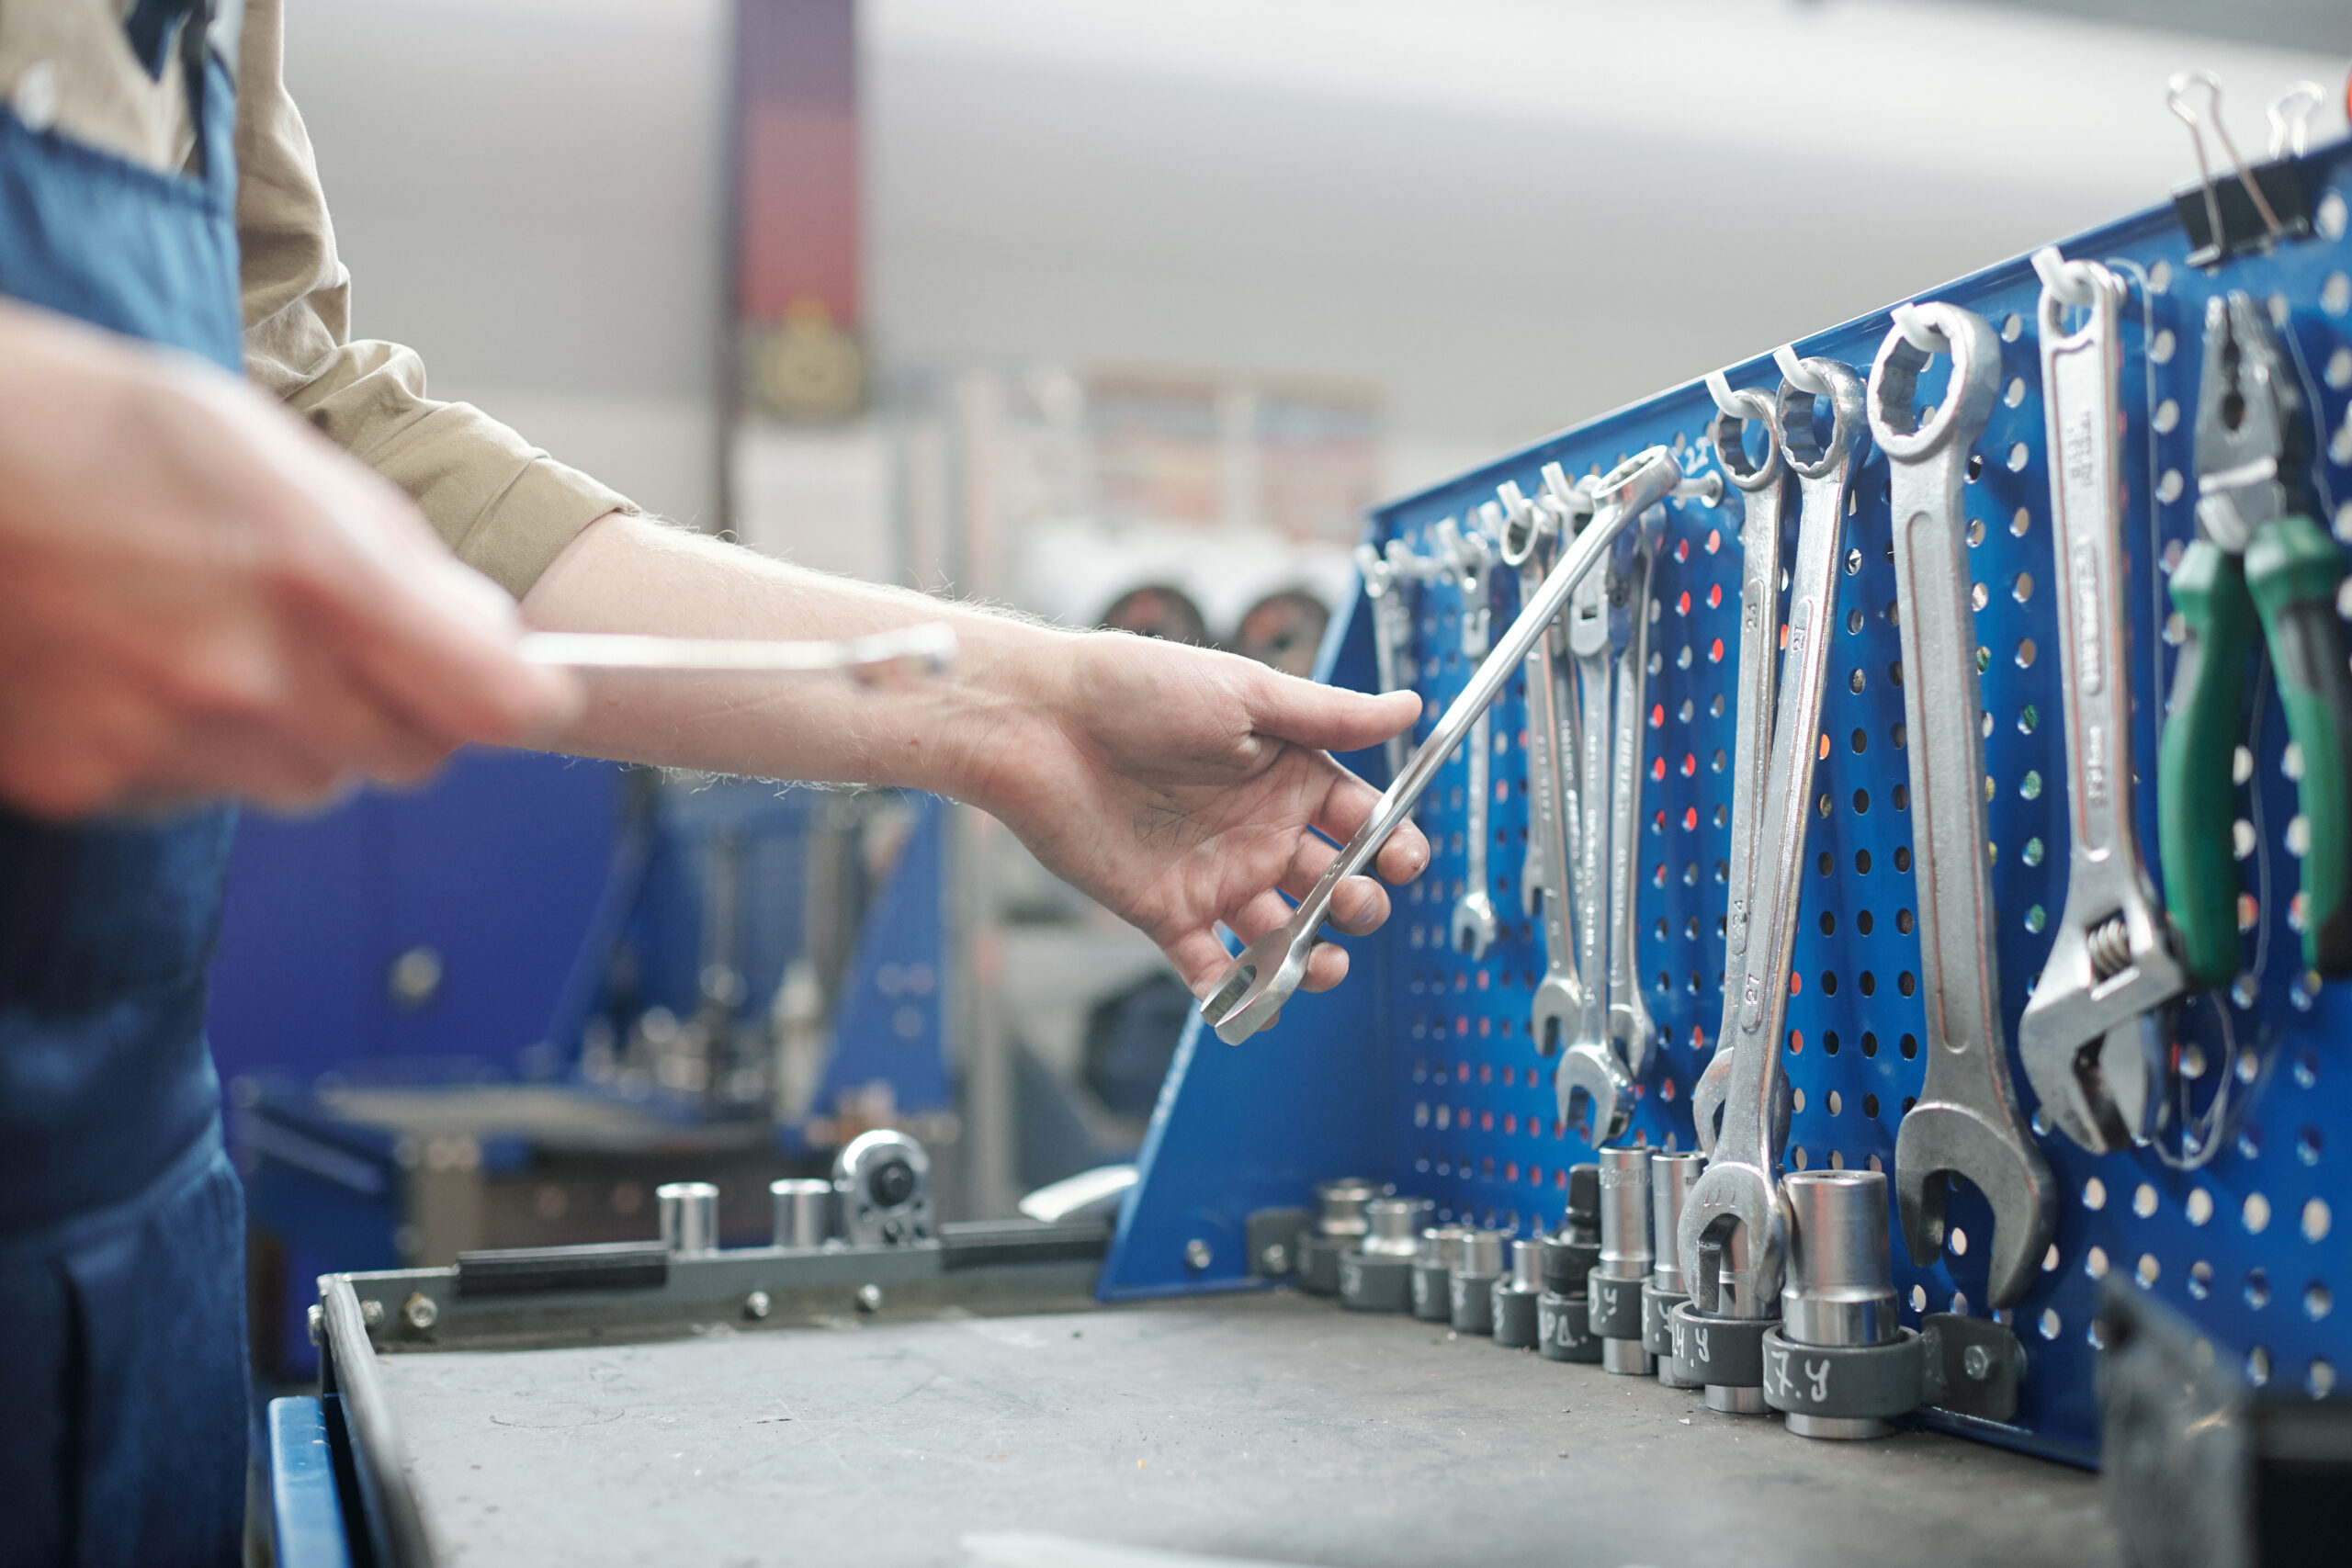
(1266, 973)
(1736, 1208)
(1471, 558)
(1630, 1030)
(1966, 1122)
(1559, 998)
(1590, 1067)
(1762, 480)
(2089, 1039)
(1385, 578)
(1530, 537)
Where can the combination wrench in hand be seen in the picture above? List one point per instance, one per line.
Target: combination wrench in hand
(1966, 1122)
(1763, 482)
(2089, 1039)
(1267, 972)
(1385, 579)
(1630, 1030)
(1735, 1209)
(1472, 556)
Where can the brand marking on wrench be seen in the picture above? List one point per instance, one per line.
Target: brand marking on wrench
(1966, 1122)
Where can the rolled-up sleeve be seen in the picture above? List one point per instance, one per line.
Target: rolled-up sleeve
(505, 506)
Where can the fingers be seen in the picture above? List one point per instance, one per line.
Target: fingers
(1359, 905)
(1200, 961)
(1329, 718)
(1349, 806)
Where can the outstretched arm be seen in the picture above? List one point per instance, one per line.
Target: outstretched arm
(1178, 787)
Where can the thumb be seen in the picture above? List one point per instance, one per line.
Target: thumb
(1330, 718)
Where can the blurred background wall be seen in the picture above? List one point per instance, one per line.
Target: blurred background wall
(1501, 215)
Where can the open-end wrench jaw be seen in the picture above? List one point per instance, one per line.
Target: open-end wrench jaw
(1267, 972)
(1470, 555)
(1966, 1122)
(1590, 1073)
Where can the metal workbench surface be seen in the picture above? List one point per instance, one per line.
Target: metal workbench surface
(1269, 1427)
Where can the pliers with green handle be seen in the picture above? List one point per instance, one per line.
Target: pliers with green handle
(2257, 554)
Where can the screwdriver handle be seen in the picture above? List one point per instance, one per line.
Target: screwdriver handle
(2196, 796)
(2293, 569)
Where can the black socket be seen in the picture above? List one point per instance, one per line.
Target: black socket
(1583, 1221)
(893, 1182)
(1566, 1263)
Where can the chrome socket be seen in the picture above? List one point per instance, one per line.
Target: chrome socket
(1433, 1268)
(689, 1212)
(1614, 1288)
(1840, 1287)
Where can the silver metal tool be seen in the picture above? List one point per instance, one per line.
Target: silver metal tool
(1614, 1286)
(883, 1181)
(1734, 1227)
(1378, 1276)
(1672, 1175)
(1558, 997)
(1966, 1121)
(1631, 1031)
(1840, 1290)
(2090, 1039)
(1529, 539)
(1339, 1226)
(1386, 579)
(1472, 555)
(801, 1210)
(1472, 1288)
(1433, 1268)
(689, 1216)
(1515, 1295)
(882, 659)
(1265, 974)
(1763, 482)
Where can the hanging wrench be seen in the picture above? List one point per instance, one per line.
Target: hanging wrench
(1384, 583)
(1471, 557)
(1966, 1121)
(1630, 1028)
(1763, 480)
(1266, 973)
(1531, 535)
(1558, 1000)
(1590, 1067)
(2089, 1039)
(1735, 1209)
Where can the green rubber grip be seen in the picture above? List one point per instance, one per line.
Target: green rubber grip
(2196, 797)
(2292, 571)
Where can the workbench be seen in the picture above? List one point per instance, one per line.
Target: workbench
(1267, 1425)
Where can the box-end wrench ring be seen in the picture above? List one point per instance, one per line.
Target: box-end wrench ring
(1267, 972)
(1966, 1122)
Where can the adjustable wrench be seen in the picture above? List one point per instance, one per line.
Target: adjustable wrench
(1630, 1028)
(2089, 1039)
(1763, 480)
(1591, 1066)
(1736, 1207)
(1966, 1121)
(1385, 579)
(1471, 558)
(1267, 972)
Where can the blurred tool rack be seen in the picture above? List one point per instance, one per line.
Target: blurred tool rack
(1418, 1071)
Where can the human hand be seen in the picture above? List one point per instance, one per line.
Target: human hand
(200, 596)
(1180, 787)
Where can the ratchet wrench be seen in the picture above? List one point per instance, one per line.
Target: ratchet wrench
(1630, 1030)
(1736, 1208)
(1966, 1122)
(2089, 1039)
(1266, 973)
(1763, 480)
(1472, 557)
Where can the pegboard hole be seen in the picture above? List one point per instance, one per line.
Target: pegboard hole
(2170, 486)
(2012, 327)
(1918, 1298)
(1798, 1157)
(1862, 862)
(2147, 1271)
(1901, 796)
(2319, 1378)
(1826, 863)
(1863, 924)
(1869, 1048)
(1860, 740)
(1898, 735)
(1828, 922)
(2020, 456)
(2255, 1213)
(2318, 1301)
(2201, 1278)
(1796, 1100)
(2167, 417)
(1835, 1103)
(2021, 587)
(2020, 522)
(2144, 1200)
(2035, 919)
(2052, 1325)
(1909, 1047)
(2013, 393)
(2308, 1144)
(1978, 595)
(1856, 682)
(1975, 471)
(2032, 852)
(1796, 1041)
(2025, 654)
(2258, 1288)
(1853, 562)
(1869, 1106)
(1906, 983)
(2095, 1263)
(2094, 1194)
(1829, 1044)
(2050, 1259)
(1903, 862)
(1861, 802)
(2339, 368)
(1868, 982)
(2317, 1220)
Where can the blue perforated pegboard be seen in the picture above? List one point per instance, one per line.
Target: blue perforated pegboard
(1422, 1072)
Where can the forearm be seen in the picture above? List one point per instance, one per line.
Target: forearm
(624, 573)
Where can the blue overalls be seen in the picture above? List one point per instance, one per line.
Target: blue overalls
(122, 1355)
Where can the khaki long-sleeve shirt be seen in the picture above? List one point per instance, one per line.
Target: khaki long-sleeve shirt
(505, 506)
